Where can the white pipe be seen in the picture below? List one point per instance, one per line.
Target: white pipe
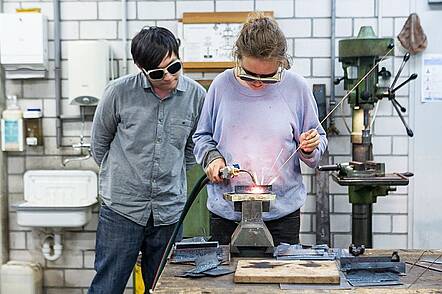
(124, 35)
(57, 248)
(379, 20)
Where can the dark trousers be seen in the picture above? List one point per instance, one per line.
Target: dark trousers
(119, 241)
(283, 230)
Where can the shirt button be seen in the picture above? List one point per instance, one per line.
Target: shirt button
(160, 120)
(154, 181)
(158, 140)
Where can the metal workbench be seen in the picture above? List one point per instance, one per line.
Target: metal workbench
(429, 282)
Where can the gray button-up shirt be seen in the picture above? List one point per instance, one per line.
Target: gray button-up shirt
(143, 145)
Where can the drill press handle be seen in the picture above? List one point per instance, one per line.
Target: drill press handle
(392, 93)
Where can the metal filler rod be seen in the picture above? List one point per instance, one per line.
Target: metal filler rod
(336, 106)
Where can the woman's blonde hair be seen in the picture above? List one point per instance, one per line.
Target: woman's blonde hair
(260, 37)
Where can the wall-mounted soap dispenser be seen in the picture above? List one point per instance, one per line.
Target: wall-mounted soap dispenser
(12, 126)
(33, 127)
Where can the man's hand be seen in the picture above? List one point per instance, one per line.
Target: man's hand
(309, 141)
(212, 170)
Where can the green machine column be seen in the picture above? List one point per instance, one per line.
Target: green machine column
(196, 222)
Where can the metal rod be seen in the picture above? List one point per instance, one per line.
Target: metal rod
(334, 108)
(423, 272)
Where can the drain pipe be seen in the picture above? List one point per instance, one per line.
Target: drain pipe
(57, 71)
(52, 248)
(124, 36)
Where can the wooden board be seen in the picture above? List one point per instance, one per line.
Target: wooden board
(218, 17)
(287, 272)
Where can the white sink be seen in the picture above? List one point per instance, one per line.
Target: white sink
(57, 198)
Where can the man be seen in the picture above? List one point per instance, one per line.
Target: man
(141, 139)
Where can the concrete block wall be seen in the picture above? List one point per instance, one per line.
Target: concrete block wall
(306, 24)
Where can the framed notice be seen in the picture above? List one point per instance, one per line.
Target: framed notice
(207, 39)
(432, 78)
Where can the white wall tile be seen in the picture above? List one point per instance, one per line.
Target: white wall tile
(194, 6)
(306, 223)
(156, 10)
(295, 27)
(69, 259)
(280, 8)
(15, 184)
(400, 145)
(340, 223)
(388, 241)
(79, 278)
(351, 8)
(17, 240)
(310, 204)
(341, 204)
(381, 223)
(400, 223)
(341, 240)
(321, 67)
(98, 30)
(390, 204)
(53, 278)
(308, 8)
(78, 10)
(133, 27)
(113, 10)
(381, 145)
(16, 165)
(321, 27)
(312, 47)
(395, 8)
(302, 66)
(339, 145)
(344, 27)
(307, 239)
(223, 5)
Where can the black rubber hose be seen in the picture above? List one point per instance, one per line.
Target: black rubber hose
(195, 191)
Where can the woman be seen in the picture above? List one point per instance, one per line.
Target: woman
(257, 114)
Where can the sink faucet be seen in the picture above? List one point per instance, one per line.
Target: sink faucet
(80, 146)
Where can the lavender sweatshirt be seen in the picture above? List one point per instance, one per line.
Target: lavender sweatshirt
(259, 129)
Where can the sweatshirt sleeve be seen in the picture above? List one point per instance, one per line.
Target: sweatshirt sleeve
(311, 121)
(205, 147)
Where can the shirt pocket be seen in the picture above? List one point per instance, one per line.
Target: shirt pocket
(179, 132)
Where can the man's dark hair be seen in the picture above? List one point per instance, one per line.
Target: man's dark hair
(151, 45)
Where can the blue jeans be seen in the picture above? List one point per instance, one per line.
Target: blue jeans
(118, 243)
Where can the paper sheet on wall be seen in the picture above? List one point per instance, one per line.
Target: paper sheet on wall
(432, 78)
(209, 42)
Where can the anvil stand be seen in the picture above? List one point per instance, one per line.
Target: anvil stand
(252, 237)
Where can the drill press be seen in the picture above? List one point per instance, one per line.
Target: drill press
(366, 179)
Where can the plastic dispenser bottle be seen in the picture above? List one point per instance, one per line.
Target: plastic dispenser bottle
(12, 126)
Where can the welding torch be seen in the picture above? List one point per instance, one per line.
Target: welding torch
(234, 170)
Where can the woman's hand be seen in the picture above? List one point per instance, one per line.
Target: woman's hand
(212, 170)
(309, 141)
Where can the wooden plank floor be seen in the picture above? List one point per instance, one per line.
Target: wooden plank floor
(429, 282)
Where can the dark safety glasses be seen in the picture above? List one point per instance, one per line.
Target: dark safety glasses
(159, 73)
(248, 76)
